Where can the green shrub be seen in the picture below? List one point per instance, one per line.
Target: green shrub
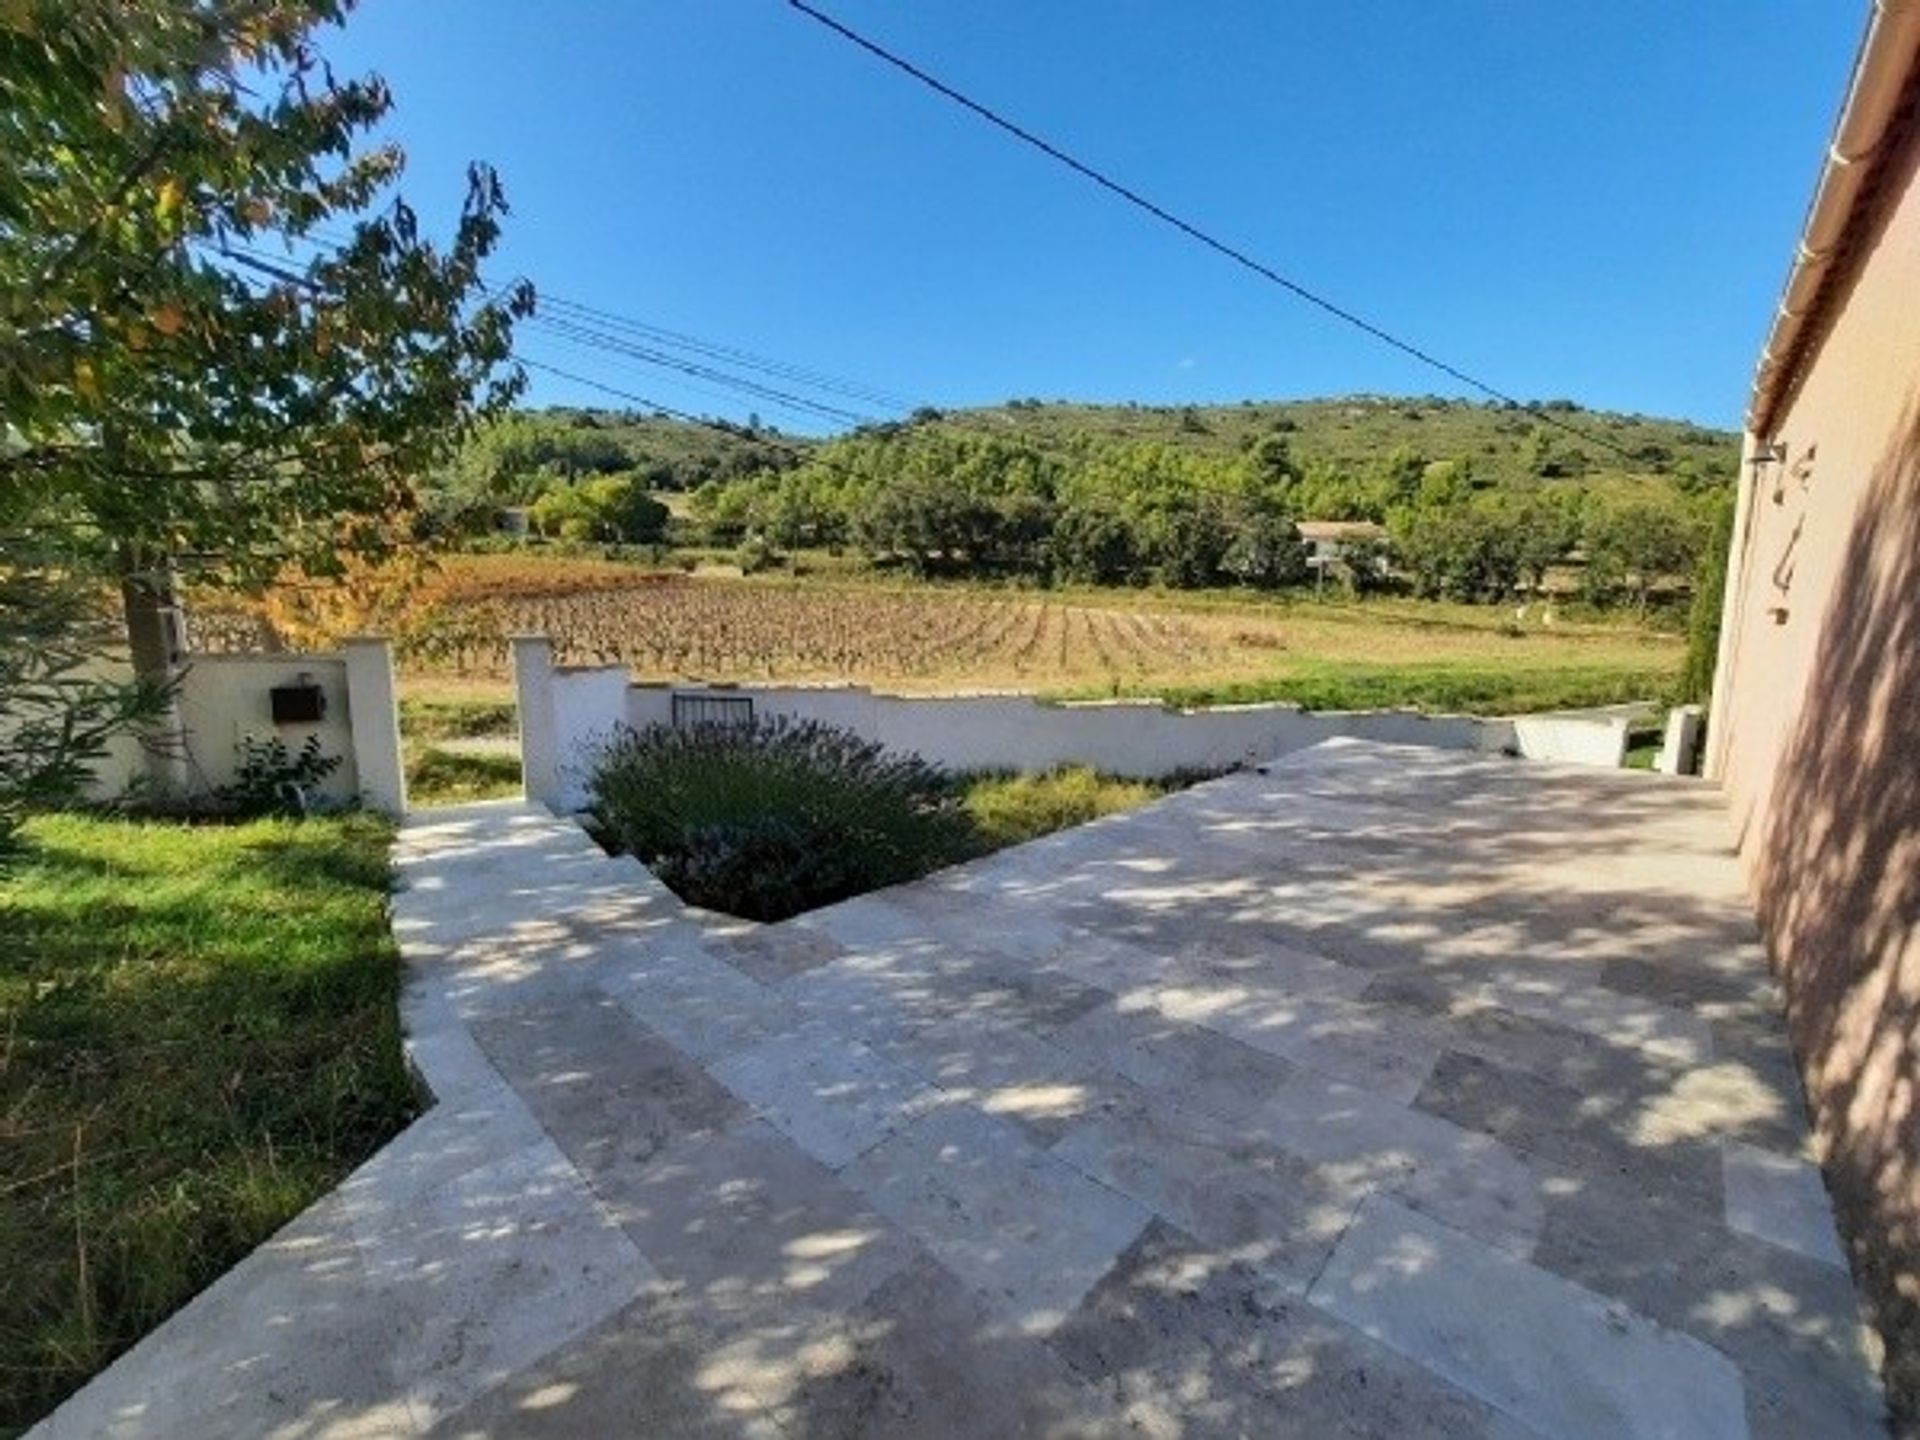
(767, 819)
(273, 780)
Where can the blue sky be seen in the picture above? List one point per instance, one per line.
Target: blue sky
(1595, 201)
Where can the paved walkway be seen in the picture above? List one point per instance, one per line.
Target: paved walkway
(1389, 1093)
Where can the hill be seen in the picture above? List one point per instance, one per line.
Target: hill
(1477, 501)
(1505, 443)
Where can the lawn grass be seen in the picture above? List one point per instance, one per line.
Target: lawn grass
(1458, 688)
(437, 776)
(446, 717)
(199, 1036)
(1011, 809)
(440, 773)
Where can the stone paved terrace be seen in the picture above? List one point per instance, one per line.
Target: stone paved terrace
(1390, 1093)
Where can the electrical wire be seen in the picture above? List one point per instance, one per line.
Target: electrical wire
(774, 375)
(1192, 231)
(601, 338)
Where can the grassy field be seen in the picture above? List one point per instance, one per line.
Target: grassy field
(930, 639)
(198, 1037)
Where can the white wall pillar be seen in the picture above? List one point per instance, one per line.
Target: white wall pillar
(539, 729)
(373, 718)
(1682, 740)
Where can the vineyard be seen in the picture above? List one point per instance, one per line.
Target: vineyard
(451, 628)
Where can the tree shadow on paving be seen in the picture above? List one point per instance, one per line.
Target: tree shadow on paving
(1578, 950)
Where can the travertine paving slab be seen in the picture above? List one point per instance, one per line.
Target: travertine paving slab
(1780, 1199)
(748, 1227)
(603, 1086)
(495, 1269)
(1009, 1071)
(832, 1100)
(1555, 1356)
(772, 955)
(1728, 1097)
(636, 1373)
(1026, 1230)
(1573, 996)
(878, 990)
(1223, 1185)
(700, 1003)
(1110, 963)
(1340, 1038)
(1198, 1346)
(1193, 1067)
(1363, 1143)
(872, 922)
(1587, 1135)
(925, 1358)
(1791, 1324)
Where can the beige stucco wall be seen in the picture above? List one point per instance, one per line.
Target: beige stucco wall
(1816, 737)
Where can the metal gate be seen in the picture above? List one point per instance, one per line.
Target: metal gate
(690, 710)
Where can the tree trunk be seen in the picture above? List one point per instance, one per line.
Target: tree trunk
(156, 642)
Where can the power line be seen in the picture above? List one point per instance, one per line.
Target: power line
(603, 357)
(601, 338)
(581, 313)
(687, 416)
(1188, 228)
(746, 359)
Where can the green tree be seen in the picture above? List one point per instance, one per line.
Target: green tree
(614, 509)
(1635, 543)
(1466, 548)
(1709, 593)
(1543, 526)
(184, 373)
(1266, 551)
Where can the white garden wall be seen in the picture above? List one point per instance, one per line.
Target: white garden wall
(223, 700)
(1579, 737)
(567, 712)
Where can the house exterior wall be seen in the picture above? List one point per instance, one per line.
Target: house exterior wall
(1815, 736)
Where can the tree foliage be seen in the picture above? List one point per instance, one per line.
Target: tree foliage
(177, 382)
(942, 502)
(612, 508)
(1635, 543)
(58, 711)
(193, 367)
(518, 459)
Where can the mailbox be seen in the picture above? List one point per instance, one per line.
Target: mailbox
(302, 702)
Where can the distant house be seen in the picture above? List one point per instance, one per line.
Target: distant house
(1332, 543)
(1815, 727)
